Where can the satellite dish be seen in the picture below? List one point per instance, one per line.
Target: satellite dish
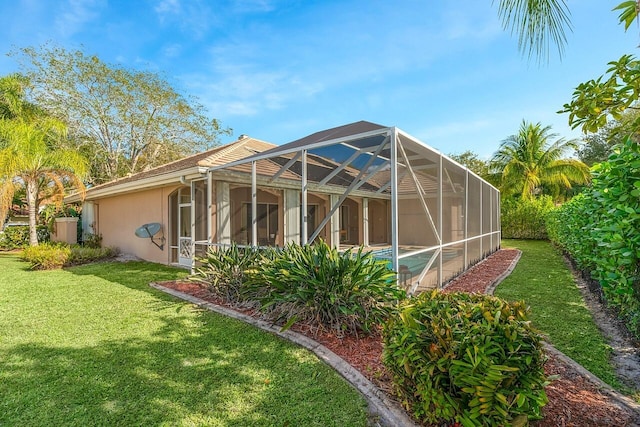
(147, 231)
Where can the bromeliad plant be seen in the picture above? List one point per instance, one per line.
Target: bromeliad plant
(223, 271)
(470, 359)
(349, 292)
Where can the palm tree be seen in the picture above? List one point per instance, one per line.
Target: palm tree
(529, 161)
(538, 23)
(30, 157)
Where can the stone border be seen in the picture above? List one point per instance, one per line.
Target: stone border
(380, 406)
(618, 398)
(493, 285)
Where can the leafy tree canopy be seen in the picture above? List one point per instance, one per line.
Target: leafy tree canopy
(124, 120)
(597, 147)
(472, 161)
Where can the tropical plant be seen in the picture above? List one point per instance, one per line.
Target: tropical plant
(466, 358)
(30, 159)
(223, 271)
(30, 156)
(529, 163)
(538, 24)
(349, 292)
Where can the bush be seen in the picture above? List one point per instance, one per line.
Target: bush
(601, 231)
(92, 240)
(471, 359)
(348, 292)
(524, 218)
(84, 254)
(47, 256)
(17, 237)
(223, 271)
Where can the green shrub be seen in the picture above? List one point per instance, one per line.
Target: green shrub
(223, 271)
(348, 292)
(46, 256)
(471, 359)
(17, 237)
(83, 254)
(601, 230)
(524, 218)
(92, 240)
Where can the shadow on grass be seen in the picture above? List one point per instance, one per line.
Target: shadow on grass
(215, 371)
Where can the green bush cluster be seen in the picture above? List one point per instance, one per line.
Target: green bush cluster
(601, 230)
(349, 292)
(525, 218)
(17, 237)
(224, 271)
(48, 256)
(470, 359)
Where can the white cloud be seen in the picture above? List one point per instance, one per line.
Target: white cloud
(76, 14)
(168, 7)
(193, 17)
(172, 50)
(252, 6)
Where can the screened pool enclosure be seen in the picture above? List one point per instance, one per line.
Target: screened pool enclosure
(360, 184)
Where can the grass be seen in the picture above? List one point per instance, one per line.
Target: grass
(544, 281)
(94, 345)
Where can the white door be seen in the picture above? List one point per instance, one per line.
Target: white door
(185, 242)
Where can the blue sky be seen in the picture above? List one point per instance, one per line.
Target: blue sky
(441, 70)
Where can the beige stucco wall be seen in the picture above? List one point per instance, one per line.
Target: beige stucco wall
(119, 216)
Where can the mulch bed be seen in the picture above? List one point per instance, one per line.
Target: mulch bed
(574, 399)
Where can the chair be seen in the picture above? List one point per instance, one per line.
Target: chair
(404, 275)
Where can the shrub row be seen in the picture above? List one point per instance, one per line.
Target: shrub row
(600, 229)
(525, 218)
(47, 256)
(470, 359)
(348, 292)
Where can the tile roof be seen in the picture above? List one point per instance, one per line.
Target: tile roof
(243, 147)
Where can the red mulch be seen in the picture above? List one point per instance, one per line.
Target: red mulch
(574, 400)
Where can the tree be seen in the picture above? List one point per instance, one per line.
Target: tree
(530, 162)
(595, 102)
(30, 156)
(473, 162)
(125, 120)
(598, 146)
(538, 23)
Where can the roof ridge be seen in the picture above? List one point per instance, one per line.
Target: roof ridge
(226, 149)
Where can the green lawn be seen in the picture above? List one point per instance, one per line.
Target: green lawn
(94, 345)
(543, 280)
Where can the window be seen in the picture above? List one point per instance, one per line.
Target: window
(267, 219)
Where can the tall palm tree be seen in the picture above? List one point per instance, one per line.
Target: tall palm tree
(30, 157)
(529, 161)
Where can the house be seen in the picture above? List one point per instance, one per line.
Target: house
(357, 184)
